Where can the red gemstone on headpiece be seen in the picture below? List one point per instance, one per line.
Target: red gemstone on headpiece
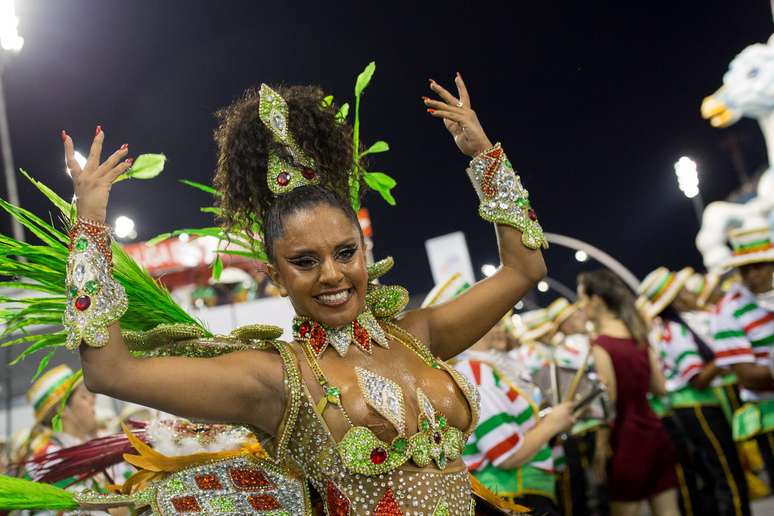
(378, 455)
(82, 303)
(531, 214)
(309, 173)
(283, 179)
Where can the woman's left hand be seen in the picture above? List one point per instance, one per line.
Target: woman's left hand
(458, 117)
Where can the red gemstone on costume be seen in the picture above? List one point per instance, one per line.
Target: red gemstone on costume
(338, 504)
(249, 479)
(208, 482)
(283, 178)
(437, 438)
(304, 329)
(82, 303)
(264, 502)
(309, 173)
(318, 339)
(361, 336)
(378, 455)
(387, 506)
(532, 214)
(186, 504)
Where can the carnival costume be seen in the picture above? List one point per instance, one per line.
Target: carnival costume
(744, 334)
(412, 473)
(706, 448)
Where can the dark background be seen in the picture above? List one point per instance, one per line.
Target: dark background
(593, 101)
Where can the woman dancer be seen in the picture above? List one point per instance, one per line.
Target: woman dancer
(642, 465)
(377, 427)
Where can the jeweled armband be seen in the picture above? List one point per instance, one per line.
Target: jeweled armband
(503, 199)
(94, 299)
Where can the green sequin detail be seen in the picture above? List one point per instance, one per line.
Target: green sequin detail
(388, 301)
(442, 509)
(333, 394)
(442, 422)
(81, 244)
(175, 485)
(355, 451)
(400, 444)
(73, 291)
(222, 504)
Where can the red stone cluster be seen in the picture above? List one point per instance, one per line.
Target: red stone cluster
(264, 502)
(208, 482)
(186, 504)
(378, 455)
(387, 505)
(318, 338)
(361, 336)
(338, 504)
(496, 155)
(249, 479)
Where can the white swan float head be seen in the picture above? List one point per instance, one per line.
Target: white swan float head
(747, 91)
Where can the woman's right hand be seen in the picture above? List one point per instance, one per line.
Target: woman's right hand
(92, 183)
(561, 417)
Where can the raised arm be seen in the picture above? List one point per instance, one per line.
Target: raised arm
(242, 387)
(452, 327)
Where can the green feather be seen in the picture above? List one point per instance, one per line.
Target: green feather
(17, 493)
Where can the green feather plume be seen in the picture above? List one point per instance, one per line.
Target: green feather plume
(17, 493)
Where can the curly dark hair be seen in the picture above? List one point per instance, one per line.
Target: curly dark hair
(244, 144)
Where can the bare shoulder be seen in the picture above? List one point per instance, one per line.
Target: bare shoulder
(416, 322)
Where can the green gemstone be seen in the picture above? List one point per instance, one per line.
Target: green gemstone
(442, 460)
(442, 422)
(435, 365)
(73, 291)
(522, 202)
(508, 163)
(81, 244)
(333, 394)
(400, 445)
(425, 425)
(91, 286)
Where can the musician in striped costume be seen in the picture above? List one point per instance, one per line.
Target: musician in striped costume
(509, 452)
(744, 337)
(705, 446)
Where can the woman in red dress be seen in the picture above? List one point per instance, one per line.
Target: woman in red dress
(635, 455)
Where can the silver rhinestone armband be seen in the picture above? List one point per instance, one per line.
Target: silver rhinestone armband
(94, 299)
(503, 199)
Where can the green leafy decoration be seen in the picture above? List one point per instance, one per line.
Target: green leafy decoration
(217, 268)
(342, 113)
(377, 147)
(146, 166)
(381, 183)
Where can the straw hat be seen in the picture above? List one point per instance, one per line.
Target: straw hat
(703, 285)
(560, 310)
(750, 246)
(535, 324)
(50, 388)
(660, 288)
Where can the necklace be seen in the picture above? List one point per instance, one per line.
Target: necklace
(362, 332)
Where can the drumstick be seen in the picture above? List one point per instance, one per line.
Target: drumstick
(577, 378)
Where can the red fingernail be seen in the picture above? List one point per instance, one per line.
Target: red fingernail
(99, 130)
(64, 135)
(129, 161)
(124, 146)
(430, 110)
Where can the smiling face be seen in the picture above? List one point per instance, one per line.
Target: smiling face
(319, 263)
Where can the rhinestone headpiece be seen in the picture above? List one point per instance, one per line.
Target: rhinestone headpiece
(284, 174)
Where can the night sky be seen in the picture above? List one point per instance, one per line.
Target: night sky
(593, 101)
